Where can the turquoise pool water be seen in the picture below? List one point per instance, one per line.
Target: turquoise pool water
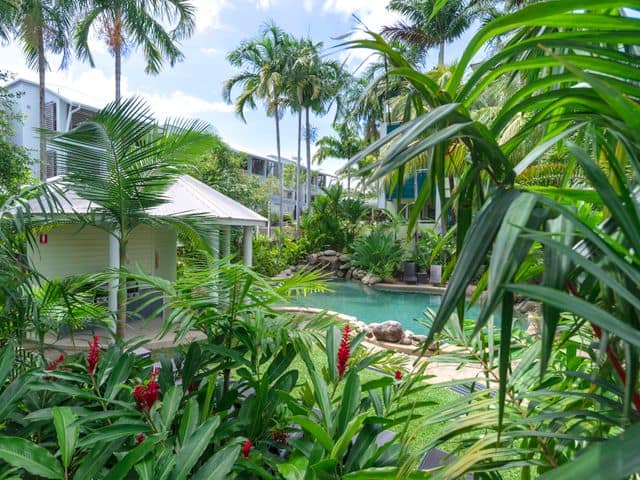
(374, 306)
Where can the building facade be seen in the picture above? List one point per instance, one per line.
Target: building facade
(265, 167)
(61, 115)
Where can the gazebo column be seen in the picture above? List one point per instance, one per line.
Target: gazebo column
(215, 243)
(247, 246)
(114, 264)
(226, 240)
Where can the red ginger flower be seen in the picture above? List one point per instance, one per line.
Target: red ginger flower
(93, 356)
(53, 365)
(343, 351)
(146, 395)
(246, 448)
(398, 375)
(140, 438)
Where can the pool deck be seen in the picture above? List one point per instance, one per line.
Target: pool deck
(416, 288)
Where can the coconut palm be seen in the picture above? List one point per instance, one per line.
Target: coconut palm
(424, 29)
(42, 26)
(316, 82)
(343, 146)
(123, 161)
(154, 25)
(264, 62)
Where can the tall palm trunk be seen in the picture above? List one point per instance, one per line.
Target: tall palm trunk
(118, 72)
(280, 166)
(308, 141)
(441, 55)
(298, 192)
(41, 92)
(121, 322)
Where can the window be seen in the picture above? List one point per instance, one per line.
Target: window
(50, 117)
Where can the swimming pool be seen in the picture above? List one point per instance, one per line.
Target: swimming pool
(375, 306)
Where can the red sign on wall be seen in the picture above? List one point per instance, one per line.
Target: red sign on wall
(43, 238)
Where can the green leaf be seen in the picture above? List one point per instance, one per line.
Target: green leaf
(315, 430)
(332, 343)
(344, 440)
(21, 453)
(135, 456)
(581, 308)
(114, 432)
(321, 396)
(6, 362)
(189, 421)
(350, 400)
(118, 376)
(170, 405)
(219, 465)
(193, 448)
(67, 432)
(477, 243)
(614, 458)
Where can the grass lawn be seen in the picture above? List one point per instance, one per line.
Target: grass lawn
(422, 435)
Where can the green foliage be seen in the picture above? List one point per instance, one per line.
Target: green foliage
(432, 249)
(378, 253)
(14, 168)
(222, 169)
(272, 255)
(333, 221)
(575, 100)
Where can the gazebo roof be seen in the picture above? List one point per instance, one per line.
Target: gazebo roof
(186, 196)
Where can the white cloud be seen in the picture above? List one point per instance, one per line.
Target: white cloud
(308, 5)
(264, 4)
(180, 104)
(372, 14)
(210, 52)
(208, 13)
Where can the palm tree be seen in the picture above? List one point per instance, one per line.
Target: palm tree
(264, 62)
(42, 26)
(426, 30)
(123, 162)
(317, 82)
(127, 24)
(343, 146)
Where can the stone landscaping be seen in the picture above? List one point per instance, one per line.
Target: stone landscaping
(336, 263)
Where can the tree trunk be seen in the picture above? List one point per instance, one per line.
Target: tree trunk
(451, 187)
(121, 322)
(118, 60)
(43, 118)
(298, 202)
(280, 166)
(441, 55)
(308, 140)
(348, 184)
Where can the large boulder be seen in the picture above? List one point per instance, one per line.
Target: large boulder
(389, 331)
(373, 279)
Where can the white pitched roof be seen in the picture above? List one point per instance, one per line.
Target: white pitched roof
(186, 196)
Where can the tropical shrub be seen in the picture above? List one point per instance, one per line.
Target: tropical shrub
(333, 221)
(578, 95)
(378, 253)
(218, 410)
(272, 255)
(432, 249)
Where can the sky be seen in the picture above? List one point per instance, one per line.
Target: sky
(193, 88)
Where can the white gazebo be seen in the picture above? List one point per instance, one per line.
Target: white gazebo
(70, 250)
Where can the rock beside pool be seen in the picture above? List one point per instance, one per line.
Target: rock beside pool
(329, 253)
(389, 331)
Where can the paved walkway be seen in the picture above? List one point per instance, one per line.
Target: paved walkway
(150, 330)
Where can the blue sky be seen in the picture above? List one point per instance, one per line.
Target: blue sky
(193, 88)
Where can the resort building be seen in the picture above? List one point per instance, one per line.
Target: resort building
(61, 113)
(265, 167)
